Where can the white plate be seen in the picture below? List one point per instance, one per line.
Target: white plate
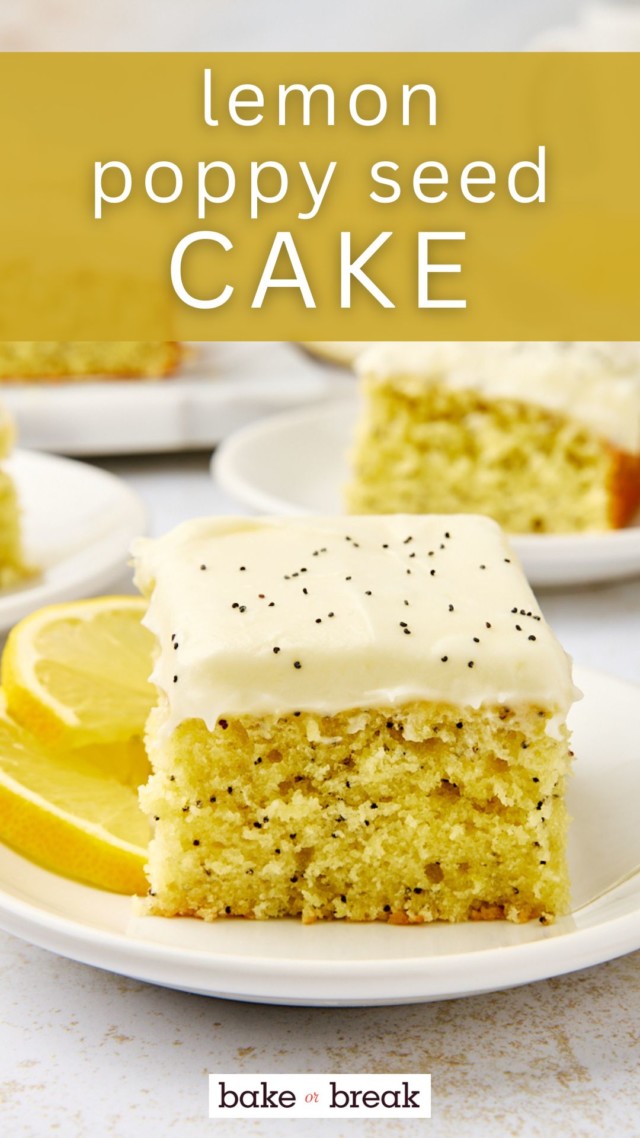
(296, 463)
(78, 524)
(222, 387)
(350, 964)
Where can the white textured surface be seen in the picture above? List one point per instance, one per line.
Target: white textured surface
(108, 1056)
(86, 1053)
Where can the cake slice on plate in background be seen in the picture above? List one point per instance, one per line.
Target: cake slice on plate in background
(543, 437)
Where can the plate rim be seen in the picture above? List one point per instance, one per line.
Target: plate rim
(222, 458)
(312, 981)
(232, 977)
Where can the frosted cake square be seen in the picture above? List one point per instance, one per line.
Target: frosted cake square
(360, 719)
(543, 437)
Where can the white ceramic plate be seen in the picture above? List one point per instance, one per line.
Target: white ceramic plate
(296, 463)
(219, 389)
(350, 964)
(78, 524)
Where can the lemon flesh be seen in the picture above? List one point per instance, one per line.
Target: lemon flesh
(77, 674)
(66, 814)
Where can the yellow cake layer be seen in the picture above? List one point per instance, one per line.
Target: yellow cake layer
(448, 450)
(40, 359)
(12, 566)
(420, 813)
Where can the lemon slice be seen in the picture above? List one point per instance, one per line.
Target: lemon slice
(68, 816)
(76, 674)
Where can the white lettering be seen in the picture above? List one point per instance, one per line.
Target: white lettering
(468, 178)
(236, 102)
(99, 196)
(283, 240)
(317, 193)
(425, 269)
(306, 92)
(349, 269)
(203, 194)
(420, 179)
(208, 101)
(178, 182)
(353, 104)
(382, 181)
(176, 269)
(408, 92)
(540, 171)
(257, 195)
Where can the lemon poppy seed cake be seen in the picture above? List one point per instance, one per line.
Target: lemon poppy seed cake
(357, 718)
(12, 566)
(543, 437)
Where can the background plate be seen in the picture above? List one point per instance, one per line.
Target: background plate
(220, 388)
(296, 463)
(78, 524)
(351, 964)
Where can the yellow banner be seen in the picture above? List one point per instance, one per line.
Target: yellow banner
(319, 196)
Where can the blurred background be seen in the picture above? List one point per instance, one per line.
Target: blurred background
(285, 25)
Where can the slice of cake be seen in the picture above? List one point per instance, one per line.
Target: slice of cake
(360, 719)
(543, 437)
(82, 359)
(12, 566)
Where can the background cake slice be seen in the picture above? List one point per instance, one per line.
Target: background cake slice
(82, 359)
(359, 719)
(543, 437)
(12, 566)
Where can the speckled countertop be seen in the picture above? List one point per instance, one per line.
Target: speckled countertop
(84, 1052)
(95, 1054)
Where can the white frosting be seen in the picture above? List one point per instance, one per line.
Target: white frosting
(233, 632)
(598, 384)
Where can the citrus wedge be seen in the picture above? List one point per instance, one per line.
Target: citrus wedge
(76, 674)
(68, 816)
